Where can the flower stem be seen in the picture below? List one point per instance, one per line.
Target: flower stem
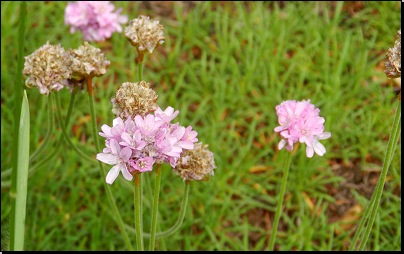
(364, 218)
(387, 160)
(48, 133)
(138, 225)
(107, 187)
(64, 131)
(279, 207)
(140, 71)
(155, 208)
(180, 219)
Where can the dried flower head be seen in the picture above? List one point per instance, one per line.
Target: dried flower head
(88, 62)
(133, 99)
(144, 34)
(196, 164)
(393, 66)
(48, 68)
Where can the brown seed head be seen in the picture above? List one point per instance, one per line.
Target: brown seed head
(48, 68)
(196, 164)
(88, 62)
(393, 66)
(133, 99)
(144, 34)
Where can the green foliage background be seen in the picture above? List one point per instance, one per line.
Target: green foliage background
(224, 66)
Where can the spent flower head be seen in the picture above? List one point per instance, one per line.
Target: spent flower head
(300, 121)
(393, 66)
(144, 34)
(132, 99)
(88, 62)
(96, 20)
(48, 68)
(196, 164)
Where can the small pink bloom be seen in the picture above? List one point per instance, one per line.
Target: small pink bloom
(134, 142)
(118, 158)
(147, 126)
(300, 121)
(96, 20)
(143, 164)
(167, 115)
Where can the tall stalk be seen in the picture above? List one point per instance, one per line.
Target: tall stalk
(98, 149)
(280, 201)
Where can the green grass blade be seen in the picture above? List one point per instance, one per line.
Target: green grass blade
(19, 198)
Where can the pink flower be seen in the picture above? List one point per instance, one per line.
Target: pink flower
(317, 146)
(167, 115)
(118, 158)
(137, 145)
(143, 164)
(134, 142)
(96, 20)
(300, 121)
(114, 132)
(147, 126)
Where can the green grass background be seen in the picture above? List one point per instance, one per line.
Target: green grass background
(224, 66)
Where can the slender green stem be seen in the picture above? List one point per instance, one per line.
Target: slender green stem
(48, 133)
(364, 218)
(60, 140)
(177, 224)
(387, 160)
(155, 208)
(107, 187)
(64, 131)
(149, 194)
(138, 226)
(279, 207)
(140, 71)
(17, 113)
(180, 219)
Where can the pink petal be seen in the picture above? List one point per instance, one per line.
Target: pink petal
(126, 153)
(115, 147)
(112, 174)
(309, 151)
(107, 158)
(126, 174)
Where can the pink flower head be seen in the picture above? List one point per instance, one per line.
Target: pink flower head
(188, 138)
(96, 20)
(134, 141)
(167, 115)
(300, 121)
(118, 158)
(143, 164)
(114, 132)
(147, 126)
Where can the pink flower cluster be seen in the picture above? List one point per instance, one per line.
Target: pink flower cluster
(300, 121)
(96, 20)
(135, 145)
